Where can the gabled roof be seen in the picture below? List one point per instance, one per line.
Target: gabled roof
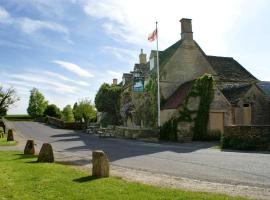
(165, 55)
(265, 87)
(176, 99)
(229, 69)
(233, 94)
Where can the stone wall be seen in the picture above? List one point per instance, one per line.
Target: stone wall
(66, 125)
(167, 114)
(135, 133)
(259, 107)
(187, 63)
(256, 137)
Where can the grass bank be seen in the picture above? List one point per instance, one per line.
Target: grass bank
(19, 118)
(22, 178)
(4, 142)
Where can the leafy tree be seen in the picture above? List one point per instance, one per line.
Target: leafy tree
(53, 111)
(68, 115)
(77, 116)
(108, 101)
(7, 98)
(37, 104)
(85, 111)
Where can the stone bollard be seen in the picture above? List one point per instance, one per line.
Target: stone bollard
(10, 136)
(29, 147)
(100, 163)
(46, 153)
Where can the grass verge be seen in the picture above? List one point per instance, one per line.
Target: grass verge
(19, 118)
(4, 142)
(22, 178)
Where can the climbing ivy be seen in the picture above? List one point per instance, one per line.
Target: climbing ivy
(203, 89)
(204, 86)
(169, 130)
(151, 90)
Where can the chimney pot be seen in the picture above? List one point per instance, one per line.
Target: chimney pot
(186, 29)
(115, 81)
(142, 57)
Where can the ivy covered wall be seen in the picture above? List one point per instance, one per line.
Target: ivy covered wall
(194, 110)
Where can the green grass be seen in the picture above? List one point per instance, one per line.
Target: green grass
(22, 178)
(19, 118)
(4, 142)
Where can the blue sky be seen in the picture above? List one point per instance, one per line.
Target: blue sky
(68, 48)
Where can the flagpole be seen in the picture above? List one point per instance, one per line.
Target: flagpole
(158, 92)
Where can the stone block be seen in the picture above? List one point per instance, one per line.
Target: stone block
(100, 163)
(46, 153)
(29, 147)
(10, 136)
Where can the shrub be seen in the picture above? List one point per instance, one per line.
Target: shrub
(169, 130)
(53, 111)
(245, 141)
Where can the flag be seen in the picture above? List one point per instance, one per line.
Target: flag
(152, 36)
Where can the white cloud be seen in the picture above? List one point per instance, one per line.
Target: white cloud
(122, 54)
(132, 21)
(64, 78)
(73, 68)
(44, 82)
(30, 26)
(56, 92)
(4, 15)
(115, 74)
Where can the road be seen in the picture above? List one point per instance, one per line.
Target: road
(193, 160)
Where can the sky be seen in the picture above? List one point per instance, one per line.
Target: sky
(68, 48)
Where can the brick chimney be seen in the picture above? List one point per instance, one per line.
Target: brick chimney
(114, 81)
(142, 57)
(186, 29)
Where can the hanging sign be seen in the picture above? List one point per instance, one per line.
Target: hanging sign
(138, 84)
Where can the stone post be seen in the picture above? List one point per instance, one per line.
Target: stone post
(10, 136)
(100, 164)
(29, 147)
(46, 153)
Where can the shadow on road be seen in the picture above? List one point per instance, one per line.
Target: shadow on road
(118, 149)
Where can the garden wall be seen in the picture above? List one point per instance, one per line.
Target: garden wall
(135, 133)
(66, 125)
(253, 137)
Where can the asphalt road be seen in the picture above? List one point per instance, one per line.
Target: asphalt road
(193, 160)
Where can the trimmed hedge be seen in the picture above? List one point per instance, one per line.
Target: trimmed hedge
(19, 118)
(246, 138)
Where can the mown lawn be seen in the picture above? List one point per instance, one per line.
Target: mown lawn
(3, 142)
(22, 178)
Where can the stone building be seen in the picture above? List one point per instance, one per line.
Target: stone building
(239, 97)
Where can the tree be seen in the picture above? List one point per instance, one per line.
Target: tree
(53, 111)
(85, 111)
(37, 104)
(108, 101)
(77, 116)
(8, 98)
(68, 115)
